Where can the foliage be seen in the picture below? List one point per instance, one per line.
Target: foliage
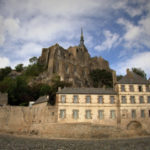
(4, 72)
(19, 68)
(140, 72)
(33, 60)
(119, 77)
(35, 68)
(101, 78)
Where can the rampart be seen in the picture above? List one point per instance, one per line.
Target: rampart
(43, 121)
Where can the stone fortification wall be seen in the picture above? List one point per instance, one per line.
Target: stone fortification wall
(20, 119)
(42, 121)
(3, 98)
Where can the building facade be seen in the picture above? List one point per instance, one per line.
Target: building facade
(126, 105)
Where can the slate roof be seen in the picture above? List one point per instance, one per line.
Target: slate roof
(87, 91)
(41, 99)
(132, 78)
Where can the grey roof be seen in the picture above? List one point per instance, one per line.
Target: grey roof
(133, 78)
(41, 99)
(87, 91)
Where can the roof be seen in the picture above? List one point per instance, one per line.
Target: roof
(86, 91)
(41, 99)
(132, 78)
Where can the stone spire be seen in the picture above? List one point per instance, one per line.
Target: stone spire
(81, 38)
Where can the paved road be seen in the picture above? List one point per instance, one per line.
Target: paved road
(8, 142)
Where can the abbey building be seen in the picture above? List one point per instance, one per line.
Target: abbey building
(72, 65)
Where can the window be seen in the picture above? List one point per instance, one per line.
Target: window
(75, 114)
(88, 99)
(101, 114)
(88, 114)
(131, 88)
(148, 99)
(75, 99)
(141, 99)
(122, 88)
(62, 113)
(140, 88)
(142, 113)
(63, 99)
(132, 99)
(100, 99)
(133, 113)
(112, 114)
(147, 88)
(123, 98)
(112, 99)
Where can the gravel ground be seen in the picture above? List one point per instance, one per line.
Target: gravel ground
(8, 142)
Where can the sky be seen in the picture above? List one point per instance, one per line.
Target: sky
(117, 30)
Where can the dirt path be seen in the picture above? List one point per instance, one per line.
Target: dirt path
(8, 142)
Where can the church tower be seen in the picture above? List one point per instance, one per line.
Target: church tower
(81, 38)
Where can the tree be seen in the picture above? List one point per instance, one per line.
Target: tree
(33, 60)
(19, 67)
(119, 77)
(45, 89)
(4, 72)
(101, 78)
(140, 72)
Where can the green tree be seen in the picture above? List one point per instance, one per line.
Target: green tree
(101, 78)
(19, 68)
(45, 89)
(119, 77)
(140, 72)
(33, 60)
(4, 72)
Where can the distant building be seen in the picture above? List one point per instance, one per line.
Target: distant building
(41, 101)
(126, 105)
(3, 99)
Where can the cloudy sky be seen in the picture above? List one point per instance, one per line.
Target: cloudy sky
(117, 30)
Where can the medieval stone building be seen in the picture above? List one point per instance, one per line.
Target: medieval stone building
(72, 65)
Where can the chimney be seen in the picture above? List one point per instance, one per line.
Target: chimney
(128, 71)
(114, 78)
(59, 89)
